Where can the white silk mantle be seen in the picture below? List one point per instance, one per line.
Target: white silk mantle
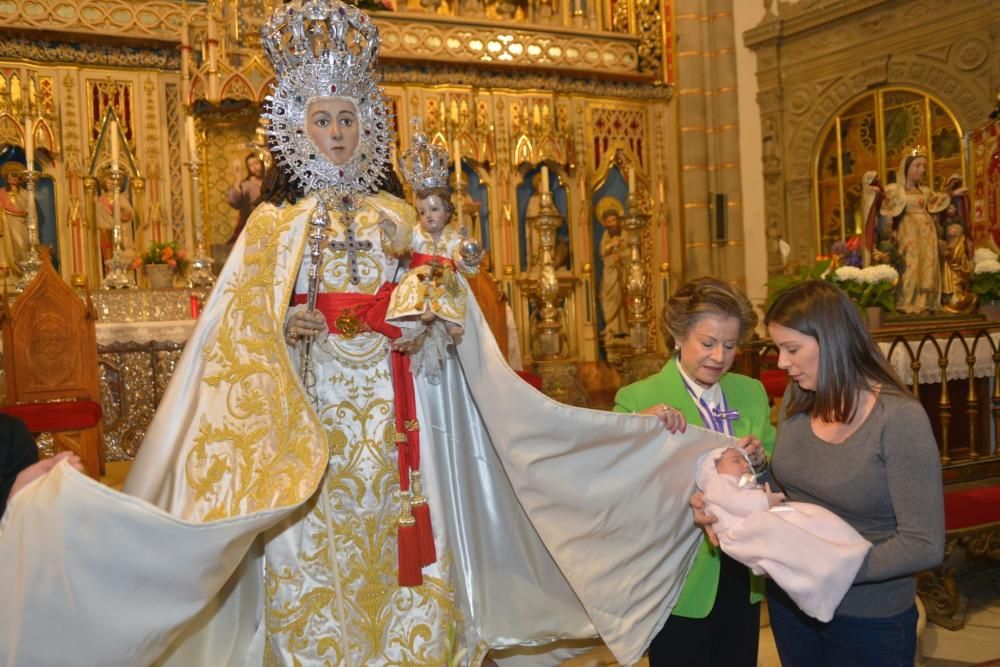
(562, 522)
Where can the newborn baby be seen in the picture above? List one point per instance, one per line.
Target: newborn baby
(809, 551)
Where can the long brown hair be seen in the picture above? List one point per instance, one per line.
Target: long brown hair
(849, 360)
(276, 188)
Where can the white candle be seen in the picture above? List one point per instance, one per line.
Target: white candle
(544, 185)
(191, 138)
(631, 180)
(114, 144)
(458, 166)
(29, 142)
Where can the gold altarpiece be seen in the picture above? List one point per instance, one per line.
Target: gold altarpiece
(578, 86)
(825, 64)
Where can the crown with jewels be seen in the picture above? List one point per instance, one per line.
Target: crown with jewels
(325, 48)
(321, 32)
(424, 165)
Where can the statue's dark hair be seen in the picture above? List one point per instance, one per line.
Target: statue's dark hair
(277, 188)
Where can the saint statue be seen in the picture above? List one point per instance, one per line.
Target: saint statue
(911, 206)
(14, 217)
(956, 271)
(106, 218)
(614, 255)
(244, 191)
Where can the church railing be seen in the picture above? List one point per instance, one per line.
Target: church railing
(950, 368)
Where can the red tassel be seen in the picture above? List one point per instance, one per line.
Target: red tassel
(422, 515)
(409, 555)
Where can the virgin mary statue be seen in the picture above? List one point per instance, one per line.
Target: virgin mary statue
(327, 506)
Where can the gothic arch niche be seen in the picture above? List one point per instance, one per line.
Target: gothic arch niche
(869, 135)
(793, 193)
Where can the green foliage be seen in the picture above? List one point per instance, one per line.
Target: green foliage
(987, 285)
(165, 253)
(780, 283)
(869, 295)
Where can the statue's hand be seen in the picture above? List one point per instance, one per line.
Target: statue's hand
(303, 323)
(388, 227)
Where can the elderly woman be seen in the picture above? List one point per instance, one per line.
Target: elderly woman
(705, 321)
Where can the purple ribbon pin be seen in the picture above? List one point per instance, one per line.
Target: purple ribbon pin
(731, 415)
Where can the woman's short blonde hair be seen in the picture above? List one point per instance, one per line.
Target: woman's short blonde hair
(705, 296)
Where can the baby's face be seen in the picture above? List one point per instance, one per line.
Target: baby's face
(433, 214)
(732, 463)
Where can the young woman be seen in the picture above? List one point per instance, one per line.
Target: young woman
(852, 439)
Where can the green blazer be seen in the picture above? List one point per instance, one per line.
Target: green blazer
(742, 393)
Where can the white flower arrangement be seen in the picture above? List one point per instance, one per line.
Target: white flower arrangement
(987, 266)
(878, 273)
(983, 255)
(871, 286)
(847, 273)
(986, 275)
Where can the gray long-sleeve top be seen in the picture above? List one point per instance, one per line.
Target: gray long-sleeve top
(885, 481)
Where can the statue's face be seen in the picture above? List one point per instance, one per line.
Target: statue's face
(916, 171)
(433, 214)
(332, 124)
(14, 179)
(256, 167)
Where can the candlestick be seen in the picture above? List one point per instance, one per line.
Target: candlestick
(191, 138)
(114, 144)
(31, 263)
(458, 164)
(29, 141)
(119, 275)
(200, 273)
(544, 185)
(631, 180)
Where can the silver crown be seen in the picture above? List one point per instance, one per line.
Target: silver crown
(325, 48)
(424, 165)
(327, 32)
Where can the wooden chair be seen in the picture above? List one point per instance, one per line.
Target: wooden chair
(50, 362)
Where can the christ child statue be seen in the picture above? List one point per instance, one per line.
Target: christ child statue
(431, 288)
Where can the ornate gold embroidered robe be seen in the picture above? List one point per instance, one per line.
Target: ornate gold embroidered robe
(554, 522)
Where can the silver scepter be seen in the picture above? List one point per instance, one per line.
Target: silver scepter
(318, 223)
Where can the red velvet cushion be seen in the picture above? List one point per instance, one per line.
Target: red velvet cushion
(971, 507)
(774, 382)
(67, 416)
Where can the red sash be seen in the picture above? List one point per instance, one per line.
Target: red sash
(347, 315)
(419, 259)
